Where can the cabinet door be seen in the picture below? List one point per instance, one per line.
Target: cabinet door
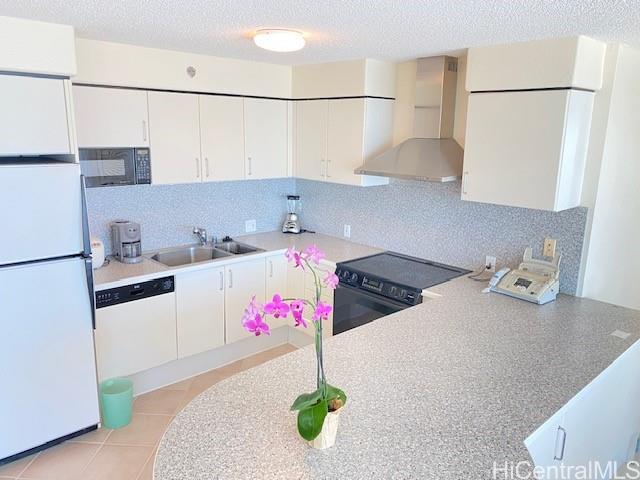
(33, 116)
(175, 137)
(135, 336)
(345, 140)
(603, 421)
(266, 138)
(111, 117)
(244, 280)
(517, 143)
(311, 139)
(222, 138)
(276, 282)
(200, 311)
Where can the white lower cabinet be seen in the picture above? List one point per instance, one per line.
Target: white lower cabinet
(243, 281)
(276, 282)
(600, 424)
(200, 311)
(135, 336)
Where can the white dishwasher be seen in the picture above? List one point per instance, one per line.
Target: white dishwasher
(135, 327)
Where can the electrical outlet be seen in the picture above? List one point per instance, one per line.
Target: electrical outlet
(549, 248)
(490, 263)
(250, 226)
(347, 231)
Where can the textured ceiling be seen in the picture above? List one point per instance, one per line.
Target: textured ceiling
(336, 29)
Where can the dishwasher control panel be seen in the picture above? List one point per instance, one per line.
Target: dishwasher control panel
(135, 291)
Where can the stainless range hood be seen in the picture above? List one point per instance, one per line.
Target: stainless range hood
(424, 115)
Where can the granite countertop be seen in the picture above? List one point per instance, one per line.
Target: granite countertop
(437, 391)
(117, 274)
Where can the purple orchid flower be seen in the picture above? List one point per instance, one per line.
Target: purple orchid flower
(331, 280)
(322, 311)
(314, 254)
(294, 256)
(297, 309)
(277, 307)
(256, 325)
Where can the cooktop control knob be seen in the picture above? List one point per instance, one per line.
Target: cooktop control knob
(345, 274)
(354, 277)
(393, 291)
(403, 294)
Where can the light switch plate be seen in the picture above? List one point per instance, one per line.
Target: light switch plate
(250, 226)
(347, 231)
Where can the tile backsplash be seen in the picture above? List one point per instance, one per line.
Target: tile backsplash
(168, 213)
(429, 220)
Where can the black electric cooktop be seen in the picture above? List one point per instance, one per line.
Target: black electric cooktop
(395, 275)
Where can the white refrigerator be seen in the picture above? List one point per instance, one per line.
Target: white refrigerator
(47, 359)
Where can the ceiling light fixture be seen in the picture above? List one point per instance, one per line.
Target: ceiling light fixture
(279, 40)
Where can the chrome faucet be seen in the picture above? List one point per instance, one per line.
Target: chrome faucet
(201, 233)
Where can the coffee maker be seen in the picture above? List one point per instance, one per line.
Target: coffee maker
(292, 221)
(125, 237)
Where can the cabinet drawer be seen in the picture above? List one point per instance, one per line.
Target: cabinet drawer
(135, 336)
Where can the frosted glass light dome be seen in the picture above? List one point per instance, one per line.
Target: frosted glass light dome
(279, 40)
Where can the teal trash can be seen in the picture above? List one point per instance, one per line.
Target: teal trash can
(116, 401)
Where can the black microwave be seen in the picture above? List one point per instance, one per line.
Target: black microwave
(107, 167)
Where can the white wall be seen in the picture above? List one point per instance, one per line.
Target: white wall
(613, 254)
(109, 63)
(351, 78)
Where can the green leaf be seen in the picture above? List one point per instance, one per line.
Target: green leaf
(310, 420)
(335, 392)
(306, 400)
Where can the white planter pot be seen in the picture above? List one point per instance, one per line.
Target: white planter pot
(327, 437)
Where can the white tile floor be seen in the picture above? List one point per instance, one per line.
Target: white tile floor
(127, 453)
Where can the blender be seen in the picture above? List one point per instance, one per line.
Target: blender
(292, 222)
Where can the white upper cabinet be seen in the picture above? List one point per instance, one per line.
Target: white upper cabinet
(111, 117)
(575, 62)
(222, 138)
(312, 118)
(527, 149)
(358, 130)
(334, 137)
(174, 129)
(266, 138)
(33, 116)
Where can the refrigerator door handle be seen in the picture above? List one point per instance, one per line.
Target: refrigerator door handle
(86, 238)
(88, 266)
(86, 242)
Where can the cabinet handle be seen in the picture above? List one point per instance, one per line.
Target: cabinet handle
(271, 268)
(464, 182)
(144, 130)
(561, 439)
(249, 166)
(230, 278)
(206, 166)
(221, 280)
(197, 167)
(322, 167)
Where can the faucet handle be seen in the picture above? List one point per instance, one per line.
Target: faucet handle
(201, 233)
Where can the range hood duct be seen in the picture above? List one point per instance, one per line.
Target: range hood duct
(427, 114)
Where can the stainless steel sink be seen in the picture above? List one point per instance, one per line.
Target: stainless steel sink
(176, 257)
(236, 248)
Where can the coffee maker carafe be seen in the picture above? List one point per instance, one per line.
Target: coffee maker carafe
(125, 236)
(292, 221)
